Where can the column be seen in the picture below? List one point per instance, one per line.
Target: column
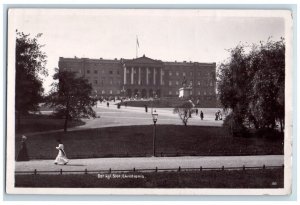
(124, 75)
(147, 77)
(161, 76)
(132, 75)
(139, 76)
(154, 76)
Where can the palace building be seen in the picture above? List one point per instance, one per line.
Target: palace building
(145, 77)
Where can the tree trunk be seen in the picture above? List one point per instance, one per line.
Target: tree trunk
(281, 125)
(66, 123)
(66, 118)
(18, 121)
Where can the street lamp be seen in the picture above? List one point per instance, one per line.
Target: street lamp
(154, 117)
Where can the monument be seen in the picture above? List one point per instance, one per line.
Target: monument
(186, 90)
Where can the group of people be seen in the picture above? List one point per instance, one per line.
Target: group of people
(201, 114)
(218, 115)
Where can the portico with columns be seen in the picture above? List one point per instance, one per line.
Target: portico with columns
(142, 77)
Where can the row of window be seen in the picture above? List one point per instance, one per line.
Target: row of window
(210, 83)
(177, 73)
(110, 72)
(128, 71)
(117, 92)
(103, 82)
(198, 93)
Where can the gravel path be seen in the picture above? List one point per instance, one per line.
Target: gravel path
(152, 162)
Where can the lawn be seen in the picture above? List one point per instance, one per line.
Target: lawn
(164, 103)
(171, 140)
(269, 178)
(39, 123)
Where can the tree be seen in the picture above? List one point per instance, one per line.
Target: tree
(71, 97)
(30, 66)
(267, 100)
(184, 111)
(251, 85)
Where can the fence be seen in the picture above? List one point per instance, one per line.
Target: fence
(179, 169)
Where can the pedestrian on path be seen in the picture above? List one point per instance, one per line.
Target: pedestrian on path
(23, 154)
(107, 104)
(201, 115)
(62, 156)
(196, 111)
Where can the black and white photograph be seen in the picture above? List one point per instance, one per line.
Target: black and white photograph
(149, 101)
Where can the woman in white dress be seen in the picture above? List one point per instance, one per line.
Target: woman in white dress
(61, 157)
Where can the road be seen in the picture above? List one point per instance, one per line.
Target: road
(152, 162)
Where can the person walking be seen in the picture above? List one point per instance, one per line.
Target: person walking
(107, 104)
(217, 116)
(62, 156)
(23, 154)
(201, 115)
(196, 111)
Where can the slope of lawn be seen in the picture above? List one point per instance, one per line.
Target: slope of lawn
(171, 140)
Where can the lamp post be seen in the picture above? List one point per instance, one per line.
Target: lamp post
(154, 117)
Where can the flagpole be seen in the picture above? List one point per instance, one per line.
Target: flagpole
(136, 49)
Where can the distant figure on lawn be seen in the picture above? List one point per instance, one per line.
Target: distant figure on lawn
(146, 108)
(196, 111)
(62, 156)
(201, 115)
(218, 115)
(107, 104)
(23, 155)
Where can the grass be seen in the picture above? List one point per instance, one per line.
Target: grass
(39, 123)
(171, 140)
(165, 103)
(269, 178)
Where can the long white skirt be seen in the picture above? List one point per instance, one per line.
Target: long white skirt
(61, 158)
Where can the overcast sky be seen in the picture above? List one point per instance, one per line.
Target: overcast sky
(167, 35)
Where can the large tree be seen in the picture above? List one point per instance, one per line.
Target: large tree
(71, 97)
(251, 85)
(30, 66)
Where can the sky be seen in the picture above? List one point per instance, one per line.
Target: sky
(167, 35)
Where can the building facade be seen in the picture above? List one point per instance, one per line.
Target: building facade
(145, 77)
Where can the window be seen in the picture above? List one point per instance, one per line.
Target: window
(110, 72)
(103, 91)
(204, 92)
(170, 92)
(95, 71)
(177, 73)
(199, 93)
(170, 83)
(118, 92)
(87, 71)
(183, 73)
(162, 72)
(177, 83)
(170, 73)
(199, 82)
(110, 92)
